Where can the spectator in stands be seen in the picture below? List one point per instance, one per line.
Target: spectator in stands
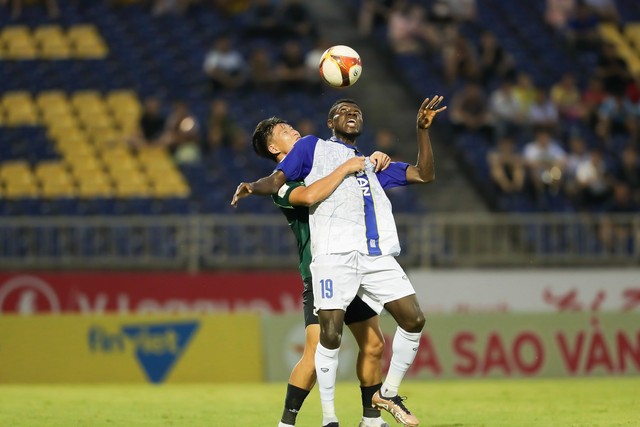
(612, 69)
(629, 171)
(263, 21)
(566, 96)
(582, 28)
(312, 60)
(506, 166)
(543, 112)
(183, 134)
(407, 32)
(557, 13)
(221, 127)
(494, 61)
(593, 181)
(577, 155)
(296, 17)
(225, 65)
(545, 163)
(508, 113)
(306, 127)
(260, 75)
(459, 59)
(151, 126)
(385, 141)
(163, 7)
(51, 6)
(632, 90)
(373, 15)
(291, 68)
(606, 10)
(617, 116)
(525, 91)
(592, 98)
(470, 112)
(621, 200)
(462, 10)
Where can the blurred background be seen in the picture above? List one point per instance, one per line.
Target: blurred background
(125, 127)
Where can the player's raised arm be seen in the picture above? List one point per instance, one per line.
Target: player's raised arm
(262, 187)
(424, 170)
(321, 189)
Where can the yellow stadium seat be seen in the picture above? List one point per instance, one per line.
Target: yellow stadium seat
(18, 191)
(164, 191)
(51, 97)
(56, 190)
(16, 97)
(54, 50)
(45, 32)
(91, 189)
(14, 31)
(21, 117)
(21, 49)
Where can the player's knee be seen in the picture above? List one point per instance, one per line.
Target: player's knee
(330, 338)
(414, 323)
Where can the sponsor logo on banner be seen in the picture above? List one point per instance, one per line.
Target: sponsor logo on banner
(28, 295)
(156, 346)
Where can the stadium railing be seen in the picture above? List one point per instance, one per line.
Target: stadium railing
(264, 241)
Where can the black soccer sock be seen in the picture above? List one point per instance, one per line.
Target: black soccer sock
(292, 403)
(367, 394)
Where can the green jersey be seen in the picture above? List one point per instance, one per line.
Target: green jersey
(298, 219)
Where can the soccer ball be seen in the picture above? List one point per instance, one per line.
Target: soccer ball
(340, 66)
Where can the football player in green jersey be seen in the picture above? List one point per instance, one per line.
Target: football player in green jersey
(273, 138)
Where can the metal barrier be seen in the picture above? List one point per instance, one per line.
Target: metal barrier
(265, 241)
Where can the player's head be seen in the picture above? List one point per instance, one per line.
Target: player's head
(273, 138)
(345, 119)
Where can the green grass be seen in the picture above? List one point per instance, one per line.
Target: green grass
(513, 403)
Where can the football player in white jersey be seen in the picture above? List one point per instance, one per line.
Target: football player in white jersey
(354, 241)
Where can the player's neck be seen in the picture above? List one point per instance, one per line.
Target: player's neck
(346, 139)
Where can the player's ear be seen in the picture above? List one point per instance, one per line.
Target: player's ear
(330, 123)
(273, 149)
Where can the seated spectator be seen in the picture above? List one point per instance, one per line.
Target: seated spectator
(593, 181)
(506, 166)
(183, 134)
(51, 6)
(582, 28)
(296, 17)
(260, 74)
(592, 98)
(459, 59)
(221, 127)
(605, 9)
(611, 69)
(151, 126)
(224, 65)
(557, 13)
(385, 141)
(545, 163)
(312, 61)
(566, 96)
(508, 113)
(617, 116)
(494, 61)
(406, 31)
(621, 200)
(632, 90)
(373, 15)
(525, 91)
(470, 111)
(291, 68)
(163, 7)
(543, 112)
(263, 21)
(462, 10)
(629, 171)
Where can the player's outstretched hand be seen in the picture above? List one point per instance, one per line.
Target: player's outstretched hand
(381, 160)
(243, 190)
(428, 111)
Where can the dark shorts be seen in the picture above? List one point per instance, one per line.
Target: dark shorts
(358, 310)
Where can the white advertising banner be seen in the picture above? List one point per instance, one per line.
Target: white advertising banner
(527, 291)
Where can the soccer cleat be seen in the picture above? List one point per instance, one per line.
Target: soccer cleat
(395, 407)
(362, 424)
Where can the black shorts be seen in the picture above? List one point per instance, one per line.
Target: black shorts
(358, 310)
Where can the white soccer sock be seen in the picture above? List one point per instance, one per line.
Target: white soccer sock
(281, 424)
(372, 422)
(326, 369)
(405, 348)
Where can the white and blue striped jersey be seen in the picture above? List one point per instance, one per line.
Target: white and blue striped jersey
(357, 216)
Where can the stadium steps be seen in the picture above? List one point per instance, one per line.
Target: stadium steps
(387, 103)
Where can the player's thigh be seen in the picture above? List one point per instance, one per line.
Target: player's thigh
(335, 280)
(383, 279)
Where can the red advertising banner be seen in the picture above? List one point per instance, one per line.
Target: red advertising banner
(140, 293)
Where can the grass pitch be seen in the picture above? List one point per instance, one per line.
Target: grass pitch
(512, 403)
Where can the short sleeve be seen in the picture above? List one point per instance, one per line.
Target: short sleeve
(281, 199)
(393, 176)
(297, 164)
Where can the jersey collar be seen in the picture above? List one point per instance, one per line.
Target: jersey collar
(353, 147)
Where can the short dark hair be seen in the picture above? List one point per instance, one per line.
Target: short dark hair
(332, 110)
(261, 135)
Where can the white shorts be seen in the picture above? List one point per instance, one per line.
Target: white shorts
(338, 278)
